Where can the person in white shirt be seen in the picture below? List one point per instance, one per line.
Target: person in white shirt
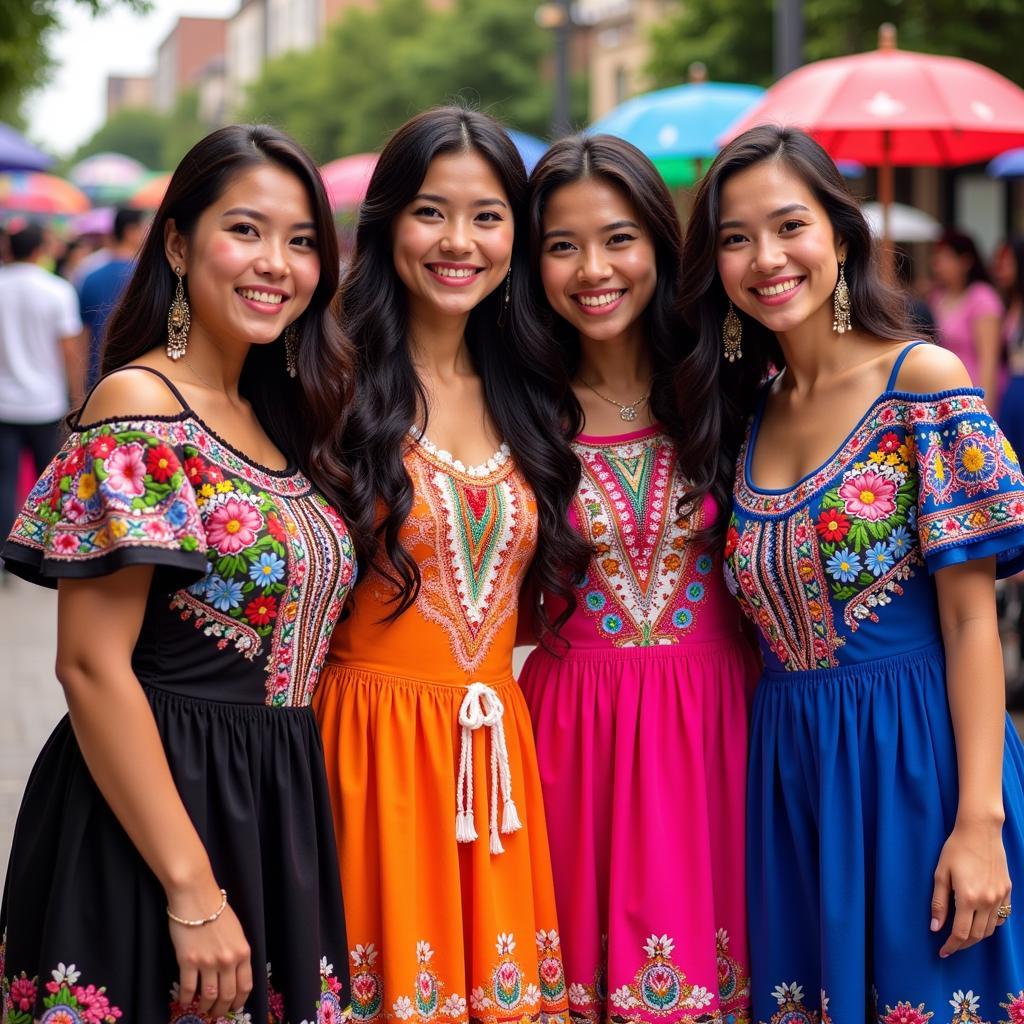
(41, 362)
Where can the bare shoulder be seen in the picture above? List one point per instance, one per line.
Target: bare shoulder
(130, 393)
(930, 368)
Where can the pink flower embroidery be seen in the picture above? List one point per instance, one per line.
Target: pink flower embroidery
(66, 543)
(158, 530)
(869, 495)
(96, 1008)
(233, 526)
(23, 993)
(126, 470)
(75, 511)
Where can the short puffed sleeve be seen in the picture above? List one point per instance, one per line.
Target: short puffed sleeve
(115, 495)
(970, 489)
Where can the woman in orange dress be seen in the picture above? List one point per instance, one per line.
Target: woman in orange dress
(457, 459)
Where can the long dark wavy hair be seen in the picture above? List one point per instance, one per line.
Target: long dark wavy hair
(304, 416)
(519, 371)
(720, 394)
(623, 167)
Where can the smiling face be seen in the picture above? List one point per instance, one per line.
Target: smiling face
(453, 240)
(778, 256)
(598, 262)
(252, 260)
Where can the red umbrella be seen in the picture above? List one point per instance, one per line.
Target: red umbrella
(34, 192)
(895, 107)
(347, 179)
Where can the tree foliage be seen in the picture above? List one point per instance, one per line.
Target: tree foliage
(720, 33)
(377, 68)
(25, 61)
(156, 140)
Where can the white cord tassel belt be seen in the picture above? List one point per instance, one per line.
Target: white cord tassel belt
(482, 708)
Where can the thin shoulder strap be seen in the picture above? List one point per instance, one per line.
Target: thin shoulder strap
(891, 383)
(168, 383)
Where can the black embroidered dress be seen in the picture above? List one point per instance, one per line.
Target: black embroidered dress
(252, 569)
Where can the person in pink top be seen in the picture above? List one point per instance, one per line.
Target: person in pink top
(968, 312)
(640, 709)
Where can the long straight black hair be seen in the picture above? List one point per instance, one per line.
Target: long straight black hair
(622, 166)
(520, 373)
(720, 394)
(303, 416)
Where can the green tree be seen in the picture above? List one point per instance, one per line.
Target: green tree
(183, 128)
(718, 32)
(134, 131)
(488, 53)
(25, 61)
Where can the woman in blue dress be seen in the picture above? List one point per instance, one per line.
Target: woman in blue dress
(875, 500)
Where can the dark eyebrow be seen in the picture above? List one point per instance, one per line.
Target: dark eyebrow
(782, 211)
(244, 211)
(442, 199)
(607, 229)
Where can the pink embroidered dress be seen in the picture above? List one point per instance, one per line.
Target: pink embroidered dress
(641, 732)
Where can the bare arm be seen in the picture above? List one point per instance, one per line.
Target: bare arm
(117, 734)
(75, 348)
(973, 862)
(987, 346)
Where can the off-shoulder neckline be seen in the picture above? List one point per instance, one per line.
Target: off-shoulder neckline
(920, 398)
(290, 469)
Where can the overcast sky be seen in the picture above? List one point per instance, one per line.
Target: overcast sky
(68, 110)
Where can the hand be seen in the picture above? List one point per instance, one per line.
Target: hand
(214, 958)
(972, 868)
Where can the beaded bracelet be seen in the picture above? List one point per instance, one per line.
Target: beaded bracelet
(205, 920)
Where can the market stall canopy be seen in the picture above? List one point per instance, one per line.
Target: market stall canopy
(35, 192)
(906, 223)
(1007, 165)
(97, 221)
(151, 194)
(108, 177)
(680, 125)
(531, 149)
(347, 179)
(18, 154)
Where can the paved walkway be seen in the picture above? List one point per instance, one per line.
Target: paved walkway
(30, 696)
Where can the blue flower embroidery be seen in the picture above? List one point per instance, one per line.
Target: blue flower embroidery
(177, 514)
(268, 569)
(611, 624)
(704, 564)
(223, 594)
(595, 600)
(682, 618)
(844, 565)
(695, 591)
(879, 558)
(900, 541)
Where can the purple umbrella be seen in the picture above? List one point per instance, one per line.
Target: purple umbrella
(18, 154)
(97, 221)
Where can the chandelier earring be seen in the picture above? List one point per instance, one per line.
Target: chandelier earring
(732, 335)
(291, 345)
(841, 302)
(179, 321)
(503, 308)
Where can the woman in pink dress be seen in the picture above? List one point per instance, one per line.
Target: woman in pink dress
(640, 706)
(968, 313)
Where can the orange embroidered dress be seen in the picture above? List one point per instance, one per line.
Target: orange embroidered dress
(449, 900)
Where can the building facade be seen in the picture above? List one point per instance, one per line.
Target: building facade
(183, 56)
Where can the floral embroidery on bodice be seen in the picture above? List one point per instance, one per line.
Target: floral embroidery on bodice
(276, 562)
(646, 585)
(817, 567)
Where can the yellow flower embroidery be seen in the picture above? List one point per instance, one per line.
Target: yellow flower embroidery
(891, 459)
(224, 486)
(876, 457)
(86, 486)
(206, 491)
(117, 529)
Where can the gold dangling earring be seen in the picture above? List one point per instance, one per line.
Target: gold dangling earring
(503, 308)
(289, 350)
(841, 302)
(179, 320)
(732, 335)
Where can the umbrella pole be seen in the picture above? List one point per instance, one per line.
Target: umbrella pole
(885, 197)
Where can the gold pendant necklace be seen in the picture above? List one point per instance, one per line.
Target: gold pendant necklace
(627, 410)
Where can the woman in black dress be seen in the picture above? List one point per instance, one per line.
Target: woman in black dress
(174, 856)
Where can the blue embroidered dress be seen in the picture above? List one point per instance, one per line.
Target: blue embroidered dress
(853, 774)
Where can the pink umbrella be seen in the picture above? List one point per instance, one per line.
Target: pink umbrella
(895, 107)
(347, 179)
(34, 192)
(97, 221)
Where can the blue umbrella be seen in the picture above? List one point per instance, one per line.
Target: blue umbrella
(18, 154)
(1007, 165)
(531, 149)
(681, 122)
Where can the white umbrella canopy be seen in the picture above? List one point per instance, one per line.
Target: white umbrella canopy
(906, 223)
